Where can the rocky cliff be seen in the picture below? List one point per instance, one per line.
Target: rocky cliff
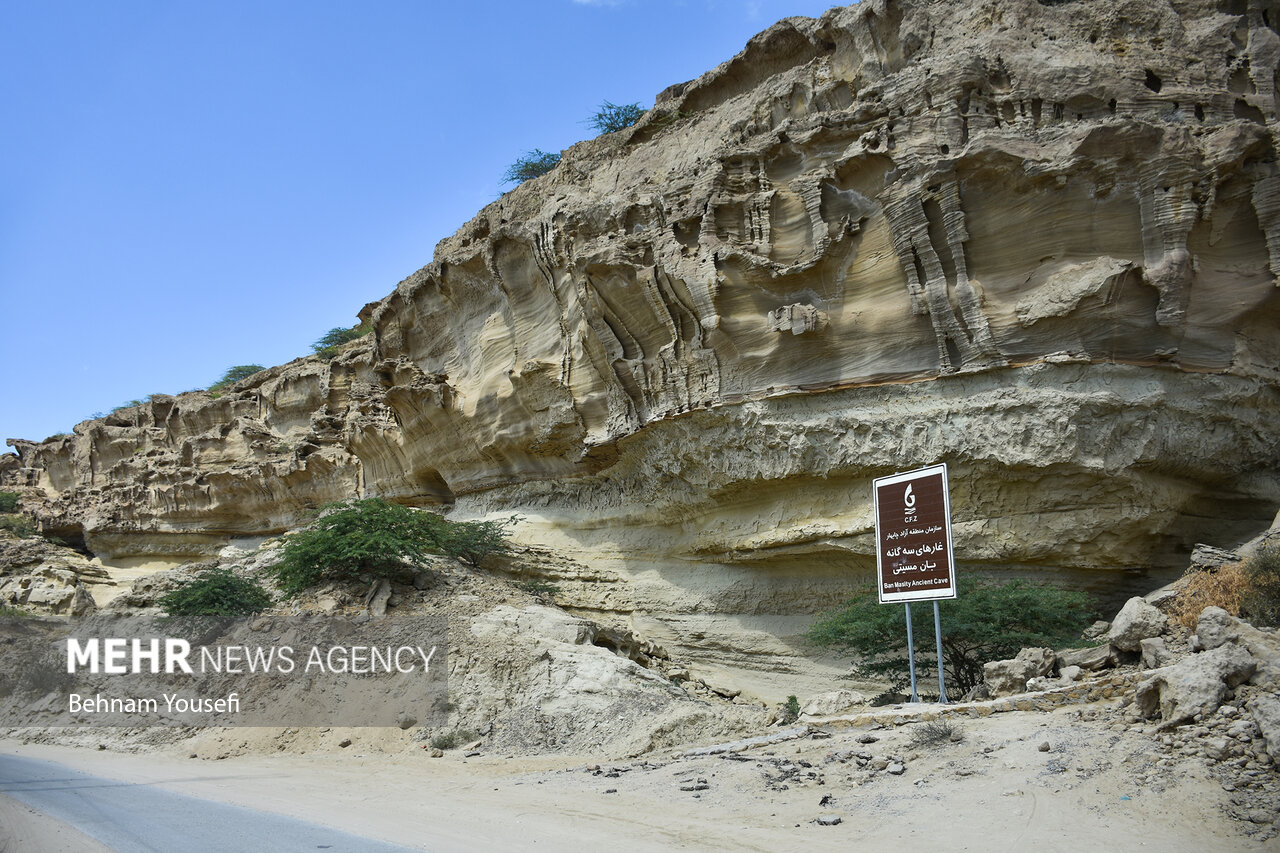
(1038, 241)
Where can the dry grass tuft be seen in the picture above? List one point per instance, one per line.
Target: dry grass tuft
(1225, 587)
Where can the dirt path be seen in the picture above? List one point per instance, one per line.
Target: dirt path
(1102, 783)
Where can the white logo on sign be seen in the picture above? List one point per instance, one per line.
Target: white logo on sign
(909, 499)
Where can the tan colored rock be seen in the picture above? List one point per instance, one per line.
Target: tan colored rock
(1154, 653)
(48, 590)
(1007, 677)
(1136, 621)
(1216, 628)
(1197, 684)
(1265, 710)
(831, 703)
(1088, 658)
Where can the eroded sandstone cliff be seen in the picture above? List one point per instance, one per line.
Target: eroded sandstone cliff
(1038, 241)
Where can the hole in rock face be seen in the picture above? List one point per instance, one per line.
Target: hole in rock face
(945, 149)
(687, 231)
(1244, 109)
(1111, 106)
(1153, 82)
(1199, 112)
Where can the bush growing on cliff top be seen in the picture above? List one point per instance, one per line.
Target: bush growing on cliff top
(374, 538)
(986, 622)
(331, 341)
(532, 164)
(612, 117)
(235, 374)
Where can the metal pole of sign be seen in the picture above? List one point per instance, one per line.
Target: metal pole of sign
(911, 653)
(937, 631)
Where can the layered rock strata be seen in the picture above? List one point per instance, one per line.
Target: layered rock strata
(1037, 241)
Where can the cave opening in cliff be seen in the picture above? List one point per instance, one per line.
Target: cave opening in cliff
(71, 535)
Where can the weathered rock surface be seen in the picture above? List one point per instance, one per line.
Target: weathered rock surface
(1197, 684)
(1265, 710)
(1136, 621)
(1216, 627)
(1038, 241)
(831, 703)
(1154, 653)
(1006, 677)
(1088, 658)
(46, 579)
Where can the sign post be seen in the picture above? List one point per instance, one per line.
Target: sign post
(914, 554)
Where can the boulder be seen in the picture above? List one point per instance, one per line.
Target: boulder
(1265, 710)
(1155, 654)
(1006, 677)
(1090, 658)
(1208, 558)
(1216, 627)
(1135, 622)
(829, 704)
(1096, 630)
(1197, 684)
(49, 590)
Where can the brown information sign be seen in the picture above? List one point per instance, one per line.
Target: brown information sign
(913, 536)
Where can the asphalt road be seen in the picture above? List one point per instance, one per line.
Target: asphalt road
(137, 818)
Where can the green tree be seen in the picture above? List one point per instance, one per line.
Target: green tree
(613, 117)
(986, 622)
(533, 164)
(9, 501)
(374, 537)
(331, 341)
(235, 374)
(216, 596)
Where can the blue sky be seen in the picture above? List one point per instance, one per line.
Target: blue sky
(189, 186)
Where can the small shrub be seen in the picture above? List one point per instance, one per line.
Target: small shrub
(789, 711)
(472, 541)
(9, 501)
(374, 537)
(986, 622)
(332, 341)
(614, 117)
(18, 526)
(456, 738)
(935, 733)
(540, 589)
(663, 120)
(215, 595)
(235, 374)
(1261, 602)
(1223, 587)
(533, 164)
(13, 615)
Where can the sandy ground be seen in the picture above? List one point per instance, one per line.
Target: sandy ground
(1104, 782)
(24, 830)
